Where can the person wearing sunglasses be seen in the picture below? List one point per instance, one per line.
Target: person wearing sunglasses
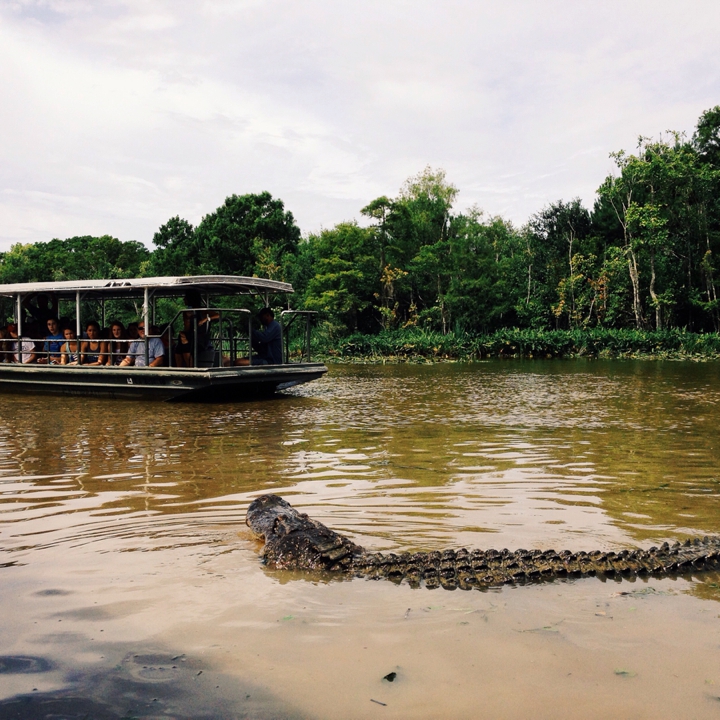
(136, 352)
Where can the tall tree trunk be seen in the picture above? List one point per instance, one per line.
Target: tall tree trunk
(635, 280)
(572, 282)
(443, 308)
(527, 301)
(712, 291)
(653, 295)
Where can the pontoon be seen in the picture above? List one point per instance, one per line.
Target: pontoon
(215, 373)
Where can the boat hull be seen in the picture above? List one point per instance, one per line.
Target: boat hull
(163, 384)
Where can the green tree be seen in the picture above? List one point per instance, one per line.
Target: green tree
(247, 235)
(476, 297)
(554, 236)
(417, 228)
(665, 204)
(707, 137)
(77, 258)
(176, 252)
(345, 277)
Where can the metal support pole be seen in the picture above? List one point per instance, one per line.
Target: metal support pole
(146, 318)
(286, 344)
(18, 318)
(78, 325)
(218, 352)
(195, 339)
(232, 341)
(102, 312)
(250, 347)
(307, 336)
(77, 314)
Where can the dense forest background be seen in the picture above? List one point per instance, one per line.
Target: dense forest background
(644, 257)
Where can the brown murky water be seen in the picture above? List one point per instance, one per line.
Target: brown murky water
(130, 587)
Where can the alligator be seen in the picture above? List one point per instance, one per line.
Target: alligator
(293, 541)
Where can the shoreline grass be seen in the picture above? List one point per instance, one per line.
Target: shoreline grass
(415, 345)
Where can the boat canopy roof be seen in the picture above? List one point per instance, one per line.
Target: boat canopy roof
(160, 287)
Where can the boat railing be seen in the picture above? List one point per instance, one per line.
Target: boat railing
(6, 352)
(288, 319)
(226, 337)
(45, 356)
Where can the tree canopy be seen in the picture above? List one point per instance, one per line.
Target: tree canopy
(247, 235)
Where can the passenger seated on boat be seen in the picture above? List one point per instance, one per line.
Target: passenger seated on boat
(184, 350)
(136, 353)
(70, 351)
(132, 331)
(53, 343)
(116, 350)
(267, 344)
(93, 350)
(23, 348)
(5, 351)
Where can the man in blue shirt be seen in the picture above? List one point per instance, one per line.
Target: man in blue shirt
(53, 342)
(136, 353)
(268, 343)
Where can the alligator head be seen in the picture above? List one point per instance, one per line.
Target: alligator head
(295, 542)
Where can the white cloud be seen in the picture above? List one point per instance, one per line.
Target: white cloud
(118, 115)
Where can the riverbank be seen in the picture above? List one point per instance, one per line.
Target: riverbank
(415, 345)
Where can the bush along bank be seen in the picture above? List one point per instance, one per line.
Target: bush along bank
(413, 345)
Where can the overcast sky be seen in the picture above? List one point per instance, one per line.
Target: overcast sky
(116, 115)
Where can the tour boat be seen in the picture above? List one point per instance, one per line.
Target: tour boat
(214, 373)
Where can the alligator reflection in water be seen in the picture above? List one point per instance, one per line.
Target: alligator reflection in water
(293, 541)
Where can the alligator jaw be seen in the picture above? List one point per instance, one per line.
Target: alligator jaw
(293, 541)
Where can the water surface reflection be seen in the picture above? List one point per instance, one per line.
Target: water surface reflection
(399, 456)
